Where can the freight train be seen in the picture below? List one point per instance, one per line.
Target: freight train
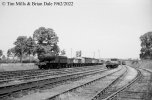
(56, 62)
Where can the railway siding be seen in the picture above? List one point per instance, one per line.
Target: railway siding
(38, 75)
(55, 92)
(37, 84)
(140, 90)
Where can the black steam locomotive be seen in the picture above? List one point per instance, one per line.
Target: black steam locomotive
(55, 62)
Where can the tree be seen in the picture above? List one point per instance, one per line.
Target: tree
(8, 52)
(3, 57)
(46, 41)
(11, 52)
(146, 46)
(30, 47)
(20, 47)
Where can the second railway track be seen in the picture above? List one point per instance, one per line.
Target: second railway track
(7, 77)
(10, 89)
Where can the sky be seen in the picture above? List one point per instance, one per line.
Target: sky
(99, 28)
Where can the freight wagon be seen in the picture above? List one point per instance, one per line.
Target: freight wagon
(113, 63)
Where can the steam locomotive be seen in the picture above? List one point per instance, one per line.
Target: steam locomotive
(56, 62)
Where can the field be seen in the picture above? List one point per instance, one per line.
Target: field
(17, 66)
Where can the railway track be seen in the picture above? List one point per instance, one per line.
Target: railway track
(6, 77)
(97, 88)
(105, 85)
(88, 88)
(89, 83)
(6, 90)
(140, 90)
(115, 90)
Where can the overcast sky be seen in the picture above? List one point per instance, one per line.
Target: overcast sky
(109, 28)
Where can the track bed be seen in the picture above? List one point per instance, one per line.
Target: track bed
(63, 91)
(40, 83)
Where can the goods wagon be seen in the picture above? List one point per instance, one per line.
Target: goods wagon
(113, 63)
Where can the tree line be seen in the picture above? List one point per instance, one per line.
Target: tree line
(43, 41)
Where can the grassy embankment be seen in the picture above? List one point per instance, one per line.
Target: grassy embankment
(147, 64)
(17, 66)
